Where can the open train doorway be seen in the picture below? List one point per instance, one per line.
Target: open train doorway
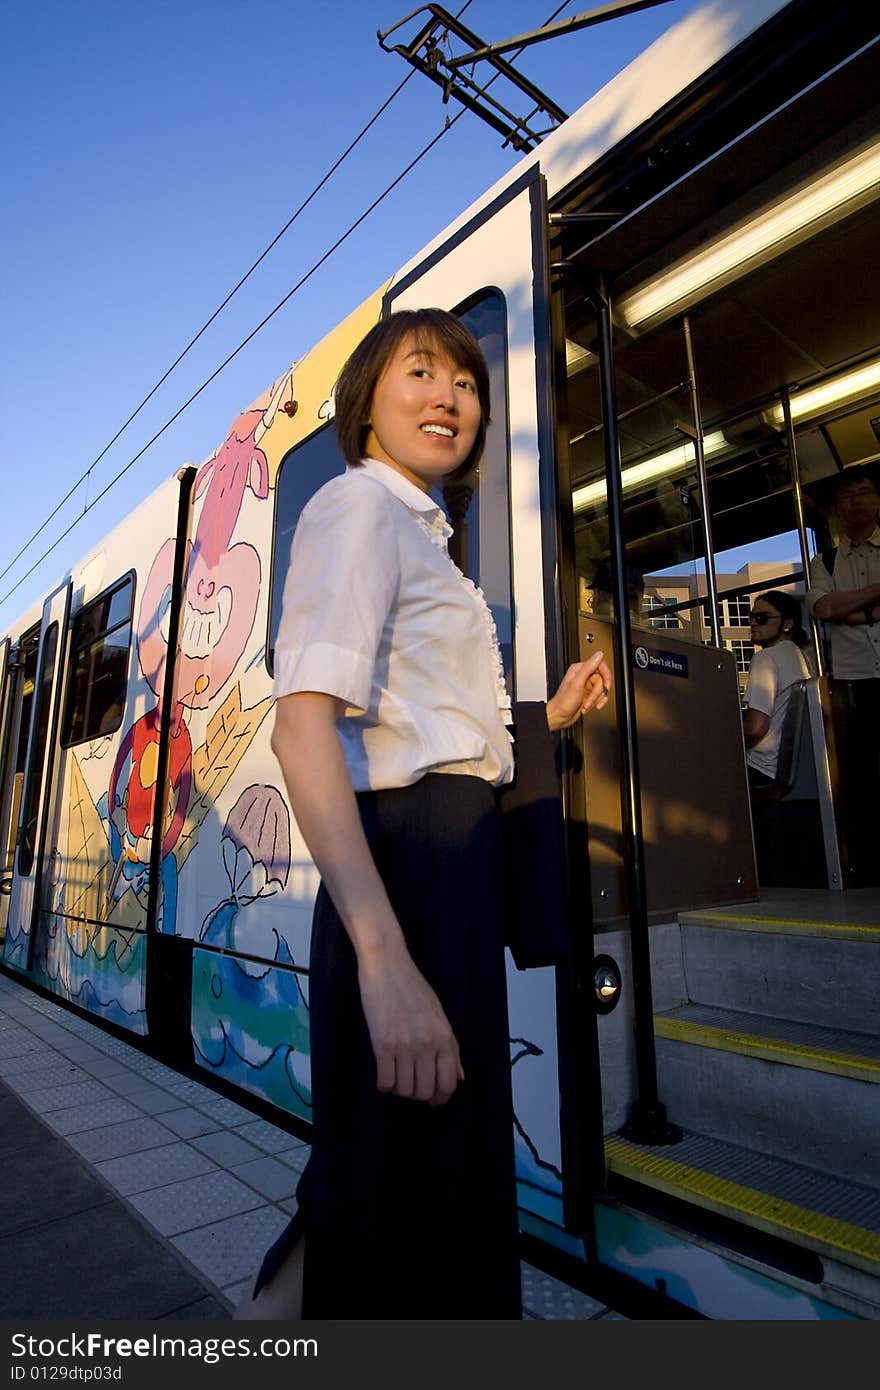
(718, 377)
(739, 408)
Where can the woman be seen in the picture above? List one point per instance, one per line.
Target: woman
(775, 621)
(391, 732)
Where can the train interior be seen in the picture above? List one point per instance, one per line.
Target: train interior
(765, 915)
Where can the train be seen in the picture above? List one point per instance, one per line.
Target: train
(676, 294)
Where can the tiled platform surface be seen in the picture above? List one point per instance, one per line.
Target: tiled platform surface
(131, 1191)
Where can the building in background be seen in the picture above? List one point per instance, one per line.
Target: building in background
(673, 602)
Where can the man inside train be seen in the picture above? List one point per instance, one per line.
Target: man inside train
(845, 593)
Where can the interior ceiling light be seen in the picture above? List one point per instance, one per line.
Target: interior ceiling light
(659, 466)
(849, 386)
(801, 214)
(577, 357)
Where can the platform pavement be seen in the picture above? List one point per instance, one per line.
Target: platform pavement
(128, 1190)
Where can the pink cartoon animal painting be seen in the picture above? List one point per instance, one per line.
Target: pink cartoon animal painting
(221, 593)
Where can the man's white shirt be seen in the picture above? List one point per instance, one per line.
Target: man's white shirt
(855, 650)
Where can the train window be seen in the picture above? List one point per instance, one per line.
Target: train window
(20, 694)
(478, 506)
(42, 711)
(749, 488)
(28, 651)
(303, 470)
(663, 534)
(98, 672)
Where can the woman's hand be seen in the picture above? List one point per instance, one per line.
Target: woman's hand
(416, 1050)
(585, 686)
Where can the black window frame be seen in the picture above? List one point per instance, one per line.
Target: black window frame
(41, 722)
(74, 648)
(319, 433)
(501, 423)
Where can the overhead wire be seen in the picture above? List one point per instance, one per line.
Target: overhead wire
(84, 476)
(243, 344)
(207, 324)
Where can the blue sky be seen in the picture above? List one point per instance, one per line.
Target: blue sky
(151, 151)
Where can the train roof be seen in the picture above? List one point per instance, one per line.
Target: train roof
(660, 73)
(663, 71)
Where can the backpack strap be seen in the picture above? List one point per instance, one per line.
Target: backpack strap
(828, 558)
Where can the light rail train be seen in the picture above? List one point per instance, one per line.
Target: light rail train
(677, 294)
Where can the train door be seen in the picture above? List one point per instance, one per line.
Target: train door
(36, 795)
(493, 271)
(7, 689)
(19, 680)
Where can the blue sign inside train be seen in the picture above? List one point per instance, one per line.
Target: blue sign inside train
(663, 663)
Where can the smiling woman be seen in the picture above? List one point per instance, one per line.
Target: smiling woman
(424, 416)
(392, 731)
(417, 398)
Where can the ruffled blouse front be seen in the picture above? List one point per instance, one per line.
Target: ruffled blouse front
(439, 533)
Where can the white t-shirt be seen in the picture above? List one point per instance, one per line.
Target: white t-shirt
(376, 613)
(773, 671)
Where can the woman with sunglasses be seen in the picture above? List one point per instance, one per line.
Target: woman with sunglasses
(776, 627)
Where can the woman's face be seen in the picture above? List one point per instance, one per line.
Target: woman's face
(424, 414)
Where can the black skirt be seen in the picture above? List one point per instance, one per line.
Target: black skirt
(410, 1210)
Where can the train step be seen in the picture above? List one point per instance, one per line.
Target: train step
(819, 971)
(835, 1219)
(774, 1085)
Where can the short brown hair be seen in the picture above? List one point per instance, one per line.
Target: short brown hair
(435, 328)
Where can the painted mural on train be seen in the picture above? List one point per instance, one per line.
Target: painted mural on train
(234, 875)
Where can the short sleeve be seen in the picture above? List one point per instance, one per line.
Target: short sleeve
(340, 586)
(763, 683)
(821, 582)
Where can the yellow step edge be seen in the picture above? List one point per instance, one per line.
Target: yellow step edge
(823, 1234)
(770, 1049)
(793, 925)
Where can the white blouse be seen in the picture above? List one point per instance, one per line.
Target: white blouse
(376, 613)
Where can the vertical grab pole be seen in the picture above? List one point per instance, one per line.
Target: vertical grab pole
(699, 453)
(794, 466)
(647, 1123)
(833, 867)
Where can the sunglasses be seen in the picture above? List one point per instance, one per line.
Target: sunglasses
(759, 619)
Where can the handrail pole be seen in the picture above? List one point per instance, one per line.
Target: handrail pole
(647, 1123)
(794, 466)
(699, 453)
